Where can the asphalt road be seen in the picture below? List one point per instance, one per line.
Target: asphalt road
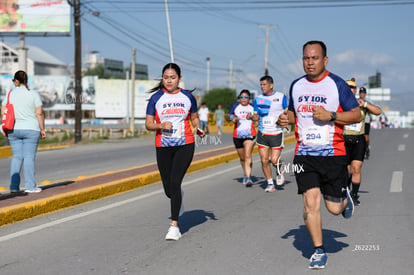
(227, 228)
(95, 158)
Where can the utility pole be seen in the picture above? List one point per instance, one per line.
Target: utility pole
(266, 68)
(78, 73)
(127, 96)
(231, 74)
(208, 74)
(22, 52)
(167, 14)
(132, 120)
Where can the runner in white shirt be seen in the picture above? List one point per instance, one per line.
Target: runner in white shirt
(268, 107)
(244, 133)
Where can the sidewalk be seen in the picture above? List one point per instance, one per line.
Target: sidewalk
(5, 151)
(19, 206)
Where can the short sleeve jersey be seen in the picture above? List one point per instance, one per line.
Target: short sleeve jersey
(24, 103)
(176, 108)
(269, 107)
(317, 138)
(243, 128)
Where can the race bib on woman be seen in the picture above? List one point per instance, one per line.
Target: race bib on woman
(176, 131)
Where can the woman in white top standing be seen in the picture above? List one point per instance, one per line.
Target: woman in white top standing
(29, 127)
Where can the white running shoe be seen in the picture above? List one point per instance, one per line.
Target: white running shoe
(173, 233)
(270, 188)
(36, 190)
(280, 180)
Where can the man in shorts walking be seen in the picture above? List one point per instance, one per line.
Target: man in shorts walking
(368, 119)
(320, 104)
(355, 142)
(267, 108)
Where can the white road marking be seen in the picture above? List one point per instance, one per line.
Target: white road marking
(110, 206)
(401, 147)
(405, 136)
(396, 182)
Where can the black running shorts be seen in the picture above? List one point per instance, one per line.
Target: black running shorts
(330, 174)
(270, 141)
(356, 151)
(239, 142)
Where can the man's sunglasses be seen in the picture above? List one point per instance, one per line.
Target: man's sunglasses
(244, 96)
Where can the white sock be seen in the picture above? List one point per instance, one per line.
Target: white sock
(270, 181)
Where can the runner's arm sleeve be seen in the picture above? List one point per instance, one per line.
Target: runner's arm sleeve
(255, 106)
(347, 99)
(193, 104)
(231, 110)
(290, 105)
(284, 102)
(151, 106)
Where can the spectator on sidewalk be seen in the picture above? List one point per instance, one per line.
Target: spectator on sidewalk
(29, 127)
(203, 114)
(219, 118)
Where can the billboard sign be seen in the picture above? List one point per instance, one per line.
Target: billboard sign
(379, 94)
(35, 16)
(113, 98)
(55, 91)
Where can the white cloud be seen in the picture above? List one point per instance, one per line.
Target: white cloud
(296, 67)
(358, 57)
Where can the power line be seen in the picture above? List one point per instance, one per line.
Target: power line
(184, 6)
(224, 10)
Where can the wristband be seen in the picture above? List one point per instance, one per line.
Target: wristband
(365, 104)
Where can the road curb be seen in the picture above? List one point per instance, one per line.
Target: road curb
(11, 214)
(5, 151)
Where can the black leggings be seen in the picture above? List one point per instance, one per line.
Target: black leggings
(173, 163)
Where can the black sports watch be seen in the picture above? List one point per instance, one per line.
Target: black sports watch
(333, 116)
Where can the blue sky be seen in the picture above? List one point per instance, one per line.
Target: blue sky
(362, 37)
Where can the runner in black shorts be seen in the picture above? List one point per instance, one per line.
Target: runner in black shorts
(244, 133)
(368, 119)
(354, 135)
(320, 103)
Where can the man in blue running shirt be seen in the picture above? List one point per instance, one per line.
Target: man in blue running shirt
(267, 108)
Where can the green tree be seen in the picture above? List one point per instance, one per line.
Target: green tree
(98, 70)
(223, 96)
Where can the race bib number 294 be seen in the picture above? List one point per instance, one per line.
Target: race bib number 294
(316, 135)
